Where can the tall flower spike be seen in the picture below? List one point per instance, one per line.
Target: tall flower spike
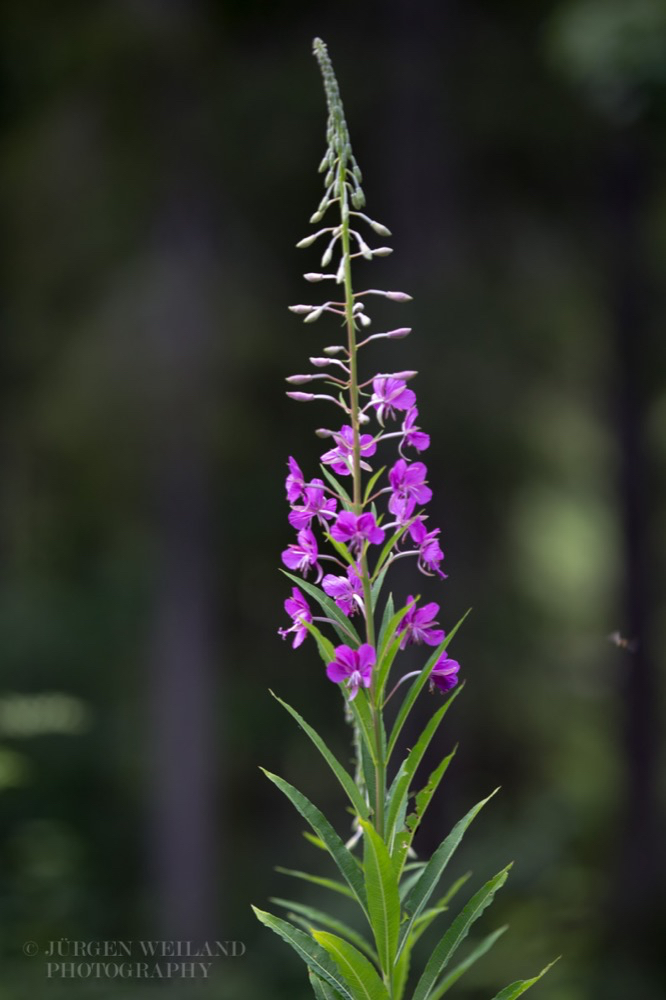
(349, 519)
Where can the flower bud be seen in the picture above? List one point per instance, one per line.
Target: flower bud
(301, 397)
(379, 228)
(358, 198)
(402, 331)
(398, 296)
(323, 432)
(316, 276)
(363, 319)
(301, 310)
(405, 376)
(380, 251)
(307, 241)
(317, 216)
(299, 379)
(314, 315)
(334, 349)
(321, 362)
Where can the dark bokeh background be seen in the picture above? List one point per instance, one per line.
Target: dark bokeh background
(157, 165)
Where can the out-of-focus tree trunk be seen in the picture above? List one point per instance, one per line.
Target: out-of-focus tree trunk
(180, 328)
(638, 873)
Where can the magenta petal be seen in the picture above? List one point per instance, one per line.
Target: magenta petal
(336, 673)
(366, 657)
(346, 657)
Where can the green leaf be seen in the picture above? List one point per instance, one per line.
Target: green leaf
(343, 776)
(322, 990)
(386, 549)
(421, 892)
(326, 920)
(325, 883)
(340, 548)
(356, 969)
(388, 631)
(456, 933)
(363, 716)
(324, 645)
(342, 857)
(426, 918)
(381, 886)
(385, 665)
(515, 989)
(376, 587)
(401, 972)
(337, 486)
(329, 607)
(417, 686)
(400, 787)
(389, 611)
(371, 484)
(484, 946)
(312, 954)
(423, 797)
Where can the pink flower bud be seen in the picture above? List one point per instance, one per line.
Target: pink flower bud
(301, 397)
(299, 379)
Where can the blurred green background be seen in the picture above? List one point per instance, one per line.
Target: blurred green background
(157, 165)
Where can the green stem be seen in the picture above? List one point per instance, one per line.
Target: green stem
(357, 495)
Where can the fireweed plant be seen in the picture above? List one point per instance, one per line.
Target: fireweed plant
(352, 524)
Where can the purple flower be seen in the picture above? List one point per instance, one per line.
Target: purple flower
(413, 435)
(298, 610)
(294, 482)
(345, 590)
(408, 483)
(390, 394)
(303, 554)
(418, 625)
(317, 504)
(352, 666)
(430, 553)
(354, 530)
(444, 675)
(340, 457)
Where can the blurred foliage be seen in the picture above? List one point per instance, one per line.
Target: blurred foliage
(486, 132)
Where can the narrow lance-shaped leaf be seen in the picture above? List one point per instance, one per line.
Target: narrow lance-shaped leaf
(328, 606)
(417, 687)
(337, 486)
(362, 977)
(521, 985)
(343, 776)
(456, 933)
(381, 886)
(309, 951)
(399, 791)
(419, 895)
(319, 880)
(389, 611)
(478, 952)
(322, 989)
(314, 916)
(342, 857)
